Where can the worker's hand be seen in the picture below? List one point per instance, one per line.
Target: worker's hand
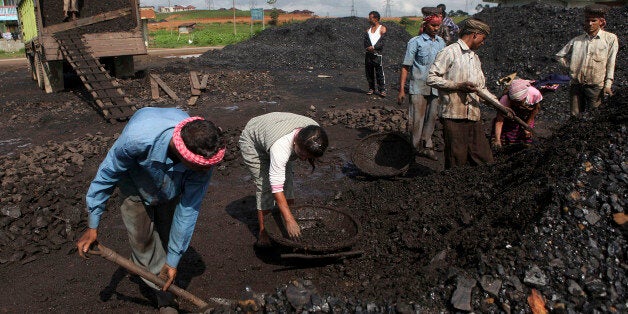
(167, 274)
(466, 87)
(294, 231)
(527, 133)
(496, 144)
(85, 241)
(370, 48)
(510, 113)
(608, 91)
(401, 97)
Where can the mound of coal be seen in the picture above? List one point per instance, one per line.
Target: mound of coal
(545, 218)
(541, 220)
(315, 43)
(525, 39)
(52, 13)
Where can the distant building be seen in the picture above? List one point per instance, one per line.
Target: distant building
(8, 18)
(176, 8)
(146, 14)
(564, 3)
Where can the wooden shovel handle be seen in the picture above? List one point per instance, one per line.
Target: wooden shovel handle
(112, 256)
(499, 107)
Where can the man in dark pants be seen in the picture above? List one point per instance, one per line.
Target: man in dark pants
(457, 74)
(373, 65)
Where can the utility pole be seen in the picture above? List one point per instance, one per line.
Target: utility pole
(387, 9)
(210, 4)
(234, 19)
(353, 13)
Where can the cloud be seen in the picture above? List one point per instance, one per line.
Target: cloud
(335, 8)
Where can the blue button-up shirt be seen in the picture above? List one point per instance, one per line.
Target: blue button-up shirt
(138, 163)
(420, 54)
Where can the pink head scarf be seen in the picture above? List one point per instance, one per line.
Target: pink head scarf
(521, 90)
(518, 89)
(188, 155)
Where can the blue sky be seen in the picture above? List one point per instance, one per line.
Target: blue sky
(335, 8)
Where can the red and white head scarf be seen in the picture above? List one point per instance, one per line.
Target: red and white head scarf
(188, 155)
(434, 18)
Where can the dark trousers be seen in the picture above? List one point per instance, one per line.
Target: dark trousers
(374, 69)
(465, 143)
(584, 97)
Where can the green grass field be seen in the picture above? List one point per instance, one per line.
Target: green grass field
(11, 55)
(215, 34)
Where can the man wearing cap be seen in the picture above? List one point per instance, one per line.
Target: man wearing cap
(449, 29)
(420, 54)
(162, 164)
(590, 58)
(457, 74)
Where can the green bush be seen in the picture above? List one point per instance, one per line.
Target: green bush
(274, 17)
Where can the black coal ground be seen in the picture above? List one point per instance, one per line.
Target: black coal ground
(478, 238)
(482, 238)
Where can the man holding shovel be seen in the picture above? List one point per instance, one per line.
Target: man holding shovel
(162, 164)
(457, 73)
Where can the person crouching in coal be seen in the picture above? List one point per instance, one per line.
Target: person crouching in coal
(162, 164)
(457, 74)
(524, 100)
(269, 144)
(591, 61)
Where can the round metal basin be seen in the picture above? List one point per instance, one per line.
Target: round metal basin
(323, 229)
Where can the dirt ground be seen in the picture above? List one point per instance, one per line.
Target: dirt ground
(539, 218)
(221, 260)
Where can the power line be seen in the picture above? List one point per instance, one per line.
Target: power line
(387, 8)
(353, 13)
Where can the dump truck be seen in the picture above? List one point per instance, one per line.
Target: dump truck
(98, 46)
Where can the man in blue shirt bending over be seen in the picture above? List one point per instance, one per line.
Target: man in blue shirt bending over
(420, 55)
(162, 164)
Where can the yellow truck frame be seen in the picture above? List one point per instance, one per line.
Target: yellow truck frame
(44, 54)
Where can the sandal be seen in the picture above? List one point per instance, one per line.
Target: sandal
(370, 92)
(383, 94)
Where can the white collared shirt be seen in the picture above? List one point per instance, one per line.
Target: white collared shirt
(591, 60)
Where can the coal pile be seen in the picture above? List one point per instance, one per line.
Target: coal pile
(52, 13)
(315, 43)
(482, 238)
(376, 119)
(41, 201)
(233, 86)
(525, 40)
